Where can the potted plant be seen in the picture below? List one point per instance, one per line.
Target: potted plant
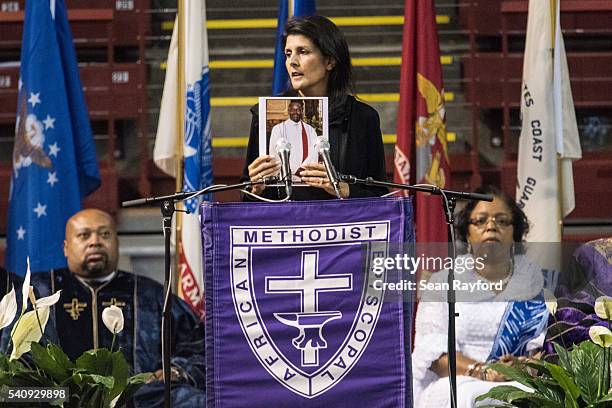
(580, 379)
(98, 378)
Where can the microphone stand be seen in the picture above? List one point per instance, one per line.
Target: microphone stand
(449, 201)
(167, 210)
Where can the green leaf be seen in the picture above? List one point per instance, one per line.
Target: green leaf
(589, 347)
(519, 397)
(549, 389)
(95, 361)
(87, 396)
(587, 371)
(95, 400)
(537, 365)
(59, 356)
(514, 373)
(140, 378)
(77, 378)
(26, 378)
(16, 365)
(603, 401)
(564, 358)
(52, 361)
(572, 392)
(4, 362)
(106, 381)
(120, 371)
(500, 393)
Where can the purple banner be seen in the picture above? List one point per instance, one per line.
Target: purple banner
(292, 317)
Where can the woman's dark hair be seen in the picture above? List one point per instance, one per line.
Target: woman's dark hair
(332, 44)
(519, 219)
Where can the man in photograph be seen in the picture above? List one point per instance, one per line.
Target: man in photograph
(301, 136)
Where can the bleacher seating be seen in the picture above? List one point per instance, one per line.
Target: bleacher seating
(110, 40)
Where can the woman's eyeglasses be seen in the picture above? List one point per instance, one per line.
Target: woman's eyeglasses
(501, 220)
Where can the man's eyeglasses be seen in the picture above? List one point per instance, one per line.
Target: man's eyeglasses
(501, 220)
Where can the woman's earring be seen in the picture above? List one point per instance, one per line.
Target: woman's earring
(469, 248)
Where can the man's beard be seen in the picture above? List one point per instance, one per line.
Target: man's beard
(95, 269)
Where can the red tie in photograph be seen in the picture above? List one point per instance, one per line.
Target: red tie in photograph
(304, 143)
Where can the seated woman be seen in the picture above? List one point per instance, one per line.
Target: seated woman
(491, 326)
(588, 276)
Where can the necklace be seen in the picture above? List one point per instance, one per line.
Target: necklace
(509, 273)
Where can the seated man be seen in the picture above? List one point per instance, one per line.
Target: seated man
(92, 282)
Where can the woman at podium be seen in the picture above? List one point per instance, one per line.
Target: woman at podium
(504, 322)
(318, 63)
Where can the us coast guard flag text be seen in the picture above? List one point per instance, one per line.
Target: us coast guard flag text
(294, 318)
(549, 135)
(54, 158)
(196, 147)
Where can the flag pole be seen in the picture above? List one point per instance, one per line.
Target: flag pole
(168, 281)
(553, 5)
(180, 129)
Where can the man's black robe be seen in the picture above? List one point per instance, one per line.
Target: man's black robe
(77, 324)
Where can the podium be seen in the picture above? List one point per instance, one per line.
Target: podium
(295, 312)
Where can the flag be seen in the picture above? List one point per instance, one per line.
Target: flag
(421, 154)
(196, 147)
(286, 10)
(549, 136)
(54, 157)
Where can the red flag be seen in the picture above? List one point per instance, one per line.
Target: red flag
(421, 154)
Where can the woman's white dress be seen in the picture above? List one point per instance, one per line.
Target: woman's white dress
(477, 324)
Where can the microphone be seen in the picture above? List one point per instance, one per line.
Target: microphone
(322, 147)
(283, 149)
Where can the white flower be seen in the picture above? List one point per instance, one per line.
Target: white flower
(551, 301)
(48, 301)
(602, 336)
(27, 331)
(25, 289)
(603, 307)
(112, 317)
(8, 308)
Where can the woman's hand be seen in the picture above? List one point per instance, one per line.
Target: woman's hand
(490, 374)
(314, 175)
(508, 360)
(263, 166)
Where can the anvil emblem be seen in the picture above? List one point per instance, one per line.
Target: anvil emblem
(310, 326)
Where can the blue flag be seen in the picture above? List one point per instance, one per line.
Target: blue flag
(286, 10)
(54, 158)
